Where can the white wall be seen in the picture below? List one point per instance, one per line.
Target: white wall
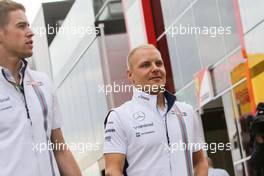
(117, 50)
(41, 57)
(81, 16)
(135, 23)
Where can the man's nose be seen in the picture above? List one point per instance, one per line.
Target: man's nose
(154, 68)
(30, 33)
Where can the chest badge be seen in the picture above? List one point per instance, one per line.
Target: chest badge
(139, 116)
(35, 83)
(183, 114)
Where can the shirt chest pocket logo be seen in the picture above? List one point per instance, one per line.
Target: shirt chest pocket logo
(5, 103)
(139, 116)
(144, 129)
(178, 114)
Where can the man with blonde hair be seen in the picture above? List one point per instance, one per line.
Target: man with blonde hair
(29, 113)
(142, 134)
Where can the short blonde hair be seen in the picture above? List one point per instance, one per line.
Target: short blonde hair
(7, 6)
(133, 51)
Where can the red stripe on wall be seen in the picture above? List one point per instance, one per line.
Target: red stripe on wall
(149, 24)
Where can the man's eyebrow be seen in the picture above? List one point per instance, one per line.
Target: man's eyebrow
(143, 61)
(22, 22)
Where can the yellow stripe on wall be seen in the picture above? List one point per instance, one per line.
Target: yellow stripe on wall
(256, 64)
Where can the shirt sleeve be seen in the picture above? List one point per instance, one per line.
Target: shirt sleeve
(198, 142)
(115, 140)
(56, 118)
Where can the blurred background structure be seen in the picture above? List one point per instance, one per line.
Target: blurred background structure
(84, 46)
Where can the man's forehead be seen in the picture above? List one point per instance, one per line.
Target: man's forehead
(17, 16)
(146, 53)
(146, 50)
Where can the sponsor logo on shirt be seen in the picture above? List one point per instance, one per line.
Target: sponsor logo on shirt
(183, 114)
(110, 131)
(144, 98)
(147, 125)
(5, 108)
(138, 134)
(108, 138)
(110, 122)
(139, 116)
(4, 105)
(143, 126)
(5, 99)
(35, 83)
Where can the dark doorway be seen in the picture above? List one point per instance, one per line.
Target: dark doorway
(215, 132)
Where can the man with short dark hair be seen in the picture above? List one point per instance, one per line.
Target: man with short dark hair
(29, 114)
(152, 134)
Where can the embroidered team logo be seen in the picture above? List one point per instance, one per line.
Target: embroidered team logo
(138, 134)
(139, 116)
(4, 99)
(183, 114)
(35, 83)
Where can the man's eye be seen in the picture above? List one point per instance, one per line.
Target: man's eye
(146, 64)
(159, 64)
(21, 26)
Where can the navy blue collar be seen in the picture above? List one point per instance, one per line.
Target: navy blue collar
(170, 99)
(7, 75)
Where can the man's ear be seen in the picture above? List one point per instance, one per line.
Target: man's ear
(129, 75)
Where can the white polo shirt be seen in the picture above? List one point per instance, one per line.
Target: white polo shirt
(19, 136)
(154, 142)
(217, 172)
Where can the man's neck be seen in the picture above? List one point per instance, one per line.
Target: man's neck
(13, 65)
(161, 101)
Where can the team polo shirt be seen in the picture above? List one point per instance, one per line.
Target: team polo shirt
(152, 141)
(217, 172)
(22, 129)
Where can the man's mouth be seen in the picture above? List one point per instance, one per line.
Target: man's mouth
(29, 42)
(155, 78)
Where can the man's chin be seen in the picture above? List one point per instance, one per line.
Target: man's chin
(26, 55)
